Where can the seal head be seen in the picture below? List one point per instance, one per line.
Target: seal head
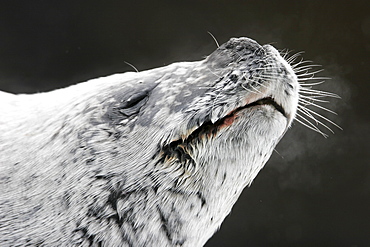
(156, 158)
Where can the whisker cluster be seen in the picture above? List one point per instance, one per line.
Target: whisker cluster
(310, 97)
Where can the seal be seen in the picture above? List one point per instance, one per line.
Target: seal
(154, 158)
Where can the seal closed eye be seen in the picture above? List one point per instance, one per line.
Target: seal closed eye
(154, 158)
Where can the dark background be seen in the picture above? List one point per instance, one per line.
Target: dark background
(313, 191)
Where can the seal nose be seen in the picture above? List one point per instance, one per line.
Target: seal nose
(235, 50)
(238, 44)
(270, 49)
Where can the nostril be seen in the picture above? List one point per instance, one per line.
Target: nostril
(234, 78)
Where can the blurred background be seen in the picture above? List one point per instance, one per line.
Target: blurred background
(314, 191)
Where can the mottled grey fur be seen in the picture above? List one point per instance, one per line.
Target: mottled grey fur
(155, 158)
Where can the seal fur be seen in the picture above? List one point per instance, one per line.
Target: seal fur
(155, 158)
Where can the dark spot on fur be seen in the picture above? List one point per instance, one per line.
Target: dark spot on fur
(73, 151)
(115, 134)
(223, 178)
(89, 237)
(5, 179)
(282, 70)
(116, 219)
(90, 161)
(233, 78)
(113, 199)
(66, 199)
(260, 52)
(167, 226)
(104, 177)
(155, 188)
(201, 198)
(93, 212)
(164, 222)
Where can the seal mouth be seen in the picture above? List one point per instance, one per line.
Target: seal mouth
(266, 101)
(210, 128)
(229, 118)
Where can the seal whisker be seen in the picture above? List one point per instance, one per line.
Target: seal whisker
(317, 92)
(285, 53)
(214, 39)
(309, 77)
(214, 103)
(314, 98)
(132, 66)
(312, 84)
(318, 122)
(319, 115)
(293, 57)
(264, 78)
(306, 73)
(298, 69)
(309, 125)
(255, 90)
(316, 105)
(219, 76)
(310, 96)
(293, 61)
(261, 85)
(265, 67)
(315, 127)
(269, 76)
(256, 51)
(307, 113)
